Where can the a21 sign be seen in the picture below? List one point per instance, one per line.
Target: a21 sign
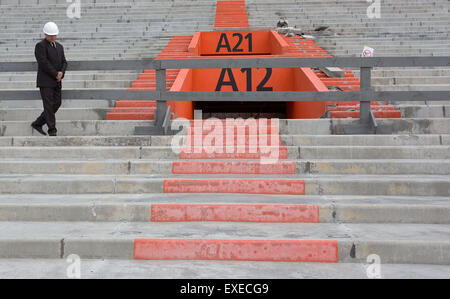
(224, 43)
(237, 43)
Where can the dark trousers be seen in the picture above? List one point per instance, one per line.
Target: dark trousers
(51, 99)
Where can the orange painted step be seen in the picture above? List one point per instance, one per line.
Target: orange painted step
(260, 153)
(130, 116)
(231, 14)
(232, 167)
(221, 126)
(355, 103)
(343, 81)
(220, 139)
(243, 250)
(238, 213)
(177, 47)
(346, 76)
(137, 103)
(262, 186)
(133, 109)
(355, 114)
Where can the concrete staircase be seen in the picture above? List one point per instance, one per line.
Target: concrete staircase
(97, 190)
(405, 28)
(116, 199)
(107, 29)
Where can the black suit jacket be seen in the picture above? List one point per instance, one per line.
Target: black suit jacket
(50, 62)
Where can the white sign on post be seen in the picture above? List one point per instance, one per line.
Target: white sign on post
(368, 52)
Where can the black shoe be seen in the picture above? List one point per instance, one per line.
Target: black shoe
(51, 133)
(38, 128)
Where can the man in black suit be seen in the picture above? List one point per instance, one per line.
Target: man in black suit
(52, 66)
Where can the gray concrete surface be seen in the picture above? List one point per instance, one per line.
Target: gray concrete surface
(110, 269)
(370, 209)
(394, 243)
(87, 165)
(287, 140)
(401, 185)
(403, 126)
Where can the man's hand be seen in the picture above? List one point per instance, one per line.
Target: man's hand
(59, 76)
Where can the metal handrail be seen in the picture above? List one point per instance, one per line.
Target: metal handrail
(364, 96)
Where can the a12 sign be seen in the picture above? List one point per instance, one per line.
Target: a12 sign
(248, 71)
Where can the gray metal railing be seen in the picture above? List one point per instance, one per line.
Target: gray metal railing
(161, 95)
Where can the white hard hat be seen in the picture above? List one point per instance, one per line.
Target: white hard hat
(51, 28)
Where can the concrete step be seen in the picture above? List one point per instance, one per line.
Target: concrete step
(76, 128)
(136, 166)
(166, 152)
(71, 84)
(417, 87)
(66, 103)
(386, 72)
(296, 127)
(395, 185)
(286, 140)
(21, 114)
(72, 76)
(417, 243)
(114, 269)
(141, 208)
(412, 80)
(425, 111)
(384, 53)
(80, 141)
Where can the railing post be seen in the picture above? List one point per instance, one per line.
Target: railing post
(365, 89)
(160, 104)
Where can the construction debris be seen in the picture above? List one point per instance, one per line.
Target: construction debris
(290, 31)
(333, 72)
(282, 23)
(321, 28)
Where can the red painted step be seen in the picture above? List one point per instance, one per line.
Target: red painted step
(133, 109)
(176, 48)
(232, 167)
(218, 127)
(236, 140)
(135, 103)
(239, 213)
(237, 153)
(262, 186)
(244, 250)
(130, 116)
(231, 14)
